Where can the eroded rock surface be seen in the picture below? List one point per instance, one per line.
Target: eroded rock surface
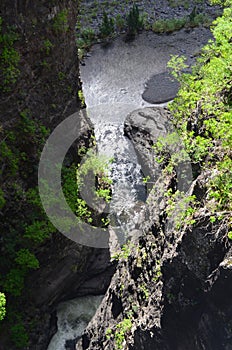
(174, 285)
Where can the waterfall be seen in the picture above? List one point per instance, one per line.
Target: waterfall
(73, 317)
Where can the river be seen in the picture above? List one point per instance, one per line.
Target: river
(114, 80)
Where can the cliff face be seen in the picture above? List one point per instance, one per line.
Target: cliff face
(40, 76)
(47, 75)
(172, 287)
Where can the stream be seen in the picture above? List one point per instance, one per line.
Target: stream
(114, 79)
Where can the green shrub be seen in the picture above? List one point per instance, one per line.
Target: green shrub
(2, 199)
(39, 231)
(119, 22)
(19, 335)
(134, 21)
(26, 259)
(168, 25)
(122, 329)
(47, 46)
(9, 58)
(202, 111)
(107, 26)
(14, 282)
(60, 22)
(2, 306)
(86, 39)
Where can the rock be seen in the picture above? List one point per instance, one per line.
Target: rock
(175, 285)
(70, 344)
(160, 88)
(143, 127)
(47, 87)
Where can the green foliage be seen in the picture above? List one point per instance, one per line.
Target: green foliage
(144, 291)
(39, 231)
(19, 335)
(119, 22)
(177, 65)
(173, 24)
(14, 282)
(134, 21)
(85, 40)
(107, 26)
(73, 180)
(26, 259)
(9, 58)
(82, 210)
(158, 273)
(124, 253)
(109, 332)
(2, 306)
(60, 22)
(9, 158)
(88, 36)
(81, 98)
(47, 46)
(122, 329)
(202, 110)
(21, 206)
(221, 185)
(168, 25)
(180, 207)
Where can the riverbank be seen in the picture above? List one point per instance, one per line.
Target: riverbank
(91, 12)
(120, 72)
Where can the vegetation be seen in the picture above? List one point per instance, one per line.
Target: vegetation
(203, 115)
(124, 253)
(116, 17)
(168, 25)
(107, 26)
(9, 58)
(201, 112)
(73, 181)
(60, 22)
(134, 21)
(2, 306)
(122, 329)
(25, 224)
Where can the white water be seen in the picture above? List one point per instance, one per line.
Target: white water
(113, 82)
(125, 171)
(73, 317)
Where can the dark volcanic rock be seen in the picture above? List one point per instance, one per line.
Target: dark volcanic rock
(160, 88)
(49, 69)
(175, 286)
(143, 127)
(47, 88)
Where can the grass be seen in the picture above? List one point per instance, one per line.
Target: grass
(168, 25)
(171, 25)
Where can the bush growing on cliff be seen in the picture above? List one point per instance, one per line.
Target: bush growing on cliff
(2, 306)
(60, 22)
(203, 111)
(9, 58)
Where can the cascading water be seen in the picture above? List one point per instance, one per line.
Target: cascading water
(128, 187)
(114, 80)
(73, 317)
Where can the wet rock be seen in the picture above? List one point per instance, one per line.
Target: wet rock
(160, 88)
(143, 127)
(175, 285)
(71, 344)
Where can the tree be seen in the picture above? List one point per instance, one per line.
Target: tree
(134, 21)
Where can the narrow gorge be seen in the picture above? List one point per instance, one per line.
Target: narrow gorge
(164, 279)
